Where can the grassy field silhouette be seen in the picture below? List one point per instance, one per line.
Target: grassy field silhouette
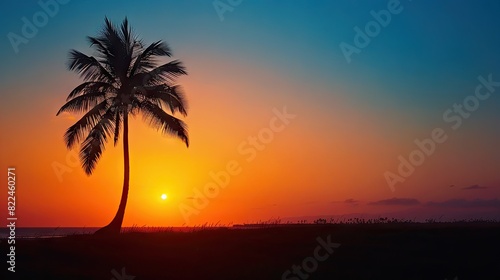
(367, 250)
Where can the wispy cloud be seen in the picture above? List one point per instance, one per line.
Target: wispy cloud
(396, 201)
(474, 187)
(463, 203)
(350, 201)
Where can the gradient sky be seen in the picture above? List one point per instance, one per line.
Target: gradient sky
(353, 120)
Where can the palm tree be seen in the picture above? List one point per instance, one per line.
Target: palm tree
(123, 78)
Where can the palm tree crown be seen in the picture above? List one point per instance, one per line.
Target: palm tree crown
(122, 78)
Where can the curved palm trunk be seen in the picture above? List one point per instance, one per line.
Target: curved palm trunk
(115, 225)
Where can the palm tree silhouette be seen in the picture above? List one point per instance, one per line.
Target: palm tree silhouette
(124, 78)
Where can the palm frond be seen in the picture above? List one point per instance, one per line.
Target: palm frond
(103, 52)
(145, 60)
(126, 34)
(87, 87)
(75, 133)
(119, 49)
(88, 67)
(160, 120)
(83, 103)
(167, 72)
(164, 95)
(93, 145)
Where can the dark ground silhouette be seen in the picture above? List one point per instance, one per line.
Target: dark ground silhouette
(378, 251)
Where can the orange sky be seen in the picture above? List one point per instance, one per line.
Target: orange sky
(314, 162)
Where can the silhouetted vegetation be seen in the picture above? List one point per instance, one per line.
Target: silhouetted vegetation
(370, 249)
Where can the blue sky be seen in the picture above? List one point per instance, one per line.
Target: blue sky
(427, 55)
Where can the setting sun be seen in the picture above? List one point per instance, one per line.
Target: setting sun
(163, 196)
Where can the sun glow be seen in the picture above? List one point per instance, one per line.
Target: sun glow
(163, 196)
